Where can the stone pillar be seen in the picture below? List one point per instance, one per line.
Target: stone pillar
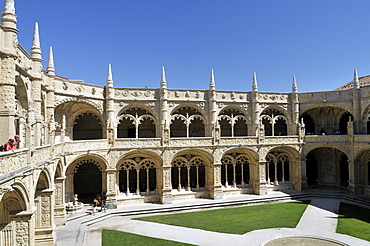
(24, 229)
(22, 133)
(303, 173)
(69, 194)
(7, 98)
(36, 106)
(44, 218)
(166, 194)
(216, 191)
(261, 187)
(112, 188)
(59, 200)
(355, 185)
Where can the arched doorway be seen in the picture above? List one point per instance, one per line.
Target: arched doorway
(14, 226)
(85, 179)
(327, 166)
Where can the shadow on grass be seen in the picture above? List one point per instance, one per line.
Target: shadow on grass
(349, 211)
(354, 221)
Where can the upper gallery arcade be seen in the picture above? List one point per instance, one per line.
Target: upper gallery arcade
(161, 145)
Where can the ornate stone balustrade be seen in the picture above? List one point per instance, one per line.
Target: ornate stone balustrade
(191, 142)
(238, 140)
(11, 161)
(325, 138)
(86, 145)
(40, 153)
(137, 143)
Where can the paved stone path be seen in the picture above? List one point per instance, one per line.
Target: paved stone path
(318, 221)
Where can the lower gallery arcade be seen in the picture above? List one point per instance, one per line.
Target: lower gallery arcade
(142, 176)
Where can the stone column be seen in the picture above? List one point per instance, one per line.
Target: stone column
(112, 188)
(261, 187)
(355, 185)
(7, 98)
(24, 229)
(22, 133)
(44, 218)
(59, 200)
(303, 178)
(166, 194)
(216, 191)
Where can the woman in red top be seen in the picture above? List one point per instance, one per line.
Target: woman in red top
(9, 145)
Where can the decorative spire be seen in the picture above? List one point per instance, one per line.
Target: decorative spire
(212, 85)
(9, 19)
(36, 48)
(9, 7)
(163, 79)
(356, 82)
(294, 86)
(50, 68)
(254, 84)
(109, 77)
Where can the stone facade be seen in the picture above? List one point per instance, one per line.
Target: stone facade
(161, 145)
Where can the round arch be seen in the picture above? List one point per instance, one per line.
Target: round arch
(86, 177)
(138, 173)
(327, 166)
(327, 120)
(91, 119)
(188, 120)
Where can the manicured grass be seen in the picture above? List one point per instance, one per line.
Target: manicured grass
(354, 221)
(237, 220)
(117, 238)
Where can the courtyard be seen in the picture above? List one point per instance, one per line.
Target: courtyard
(317, 225)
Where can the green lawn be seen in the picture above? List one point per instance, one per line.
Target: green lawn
(116, 238)
(354, 221)
(237, 220)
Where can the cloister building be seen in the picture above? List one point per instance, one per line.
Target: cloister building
(161, 145)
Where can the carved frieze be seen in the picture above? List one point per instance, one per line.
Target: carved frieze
(21, 233)
(45, 211)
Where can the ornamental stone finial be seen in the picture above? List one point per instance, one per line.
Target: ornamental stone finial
(356, 81)
(9, 7)
(9, 19)
(36, 48)
(50, 68)
(254, 84)
(163, 79)
(212, 85)
(294, 86)
(109, 76)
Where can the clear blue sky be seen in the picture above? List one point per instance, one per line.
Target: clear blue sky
(319, 41)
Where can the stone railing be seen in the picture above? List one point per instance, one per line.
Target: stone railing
(325, 138)
(191, 142)
(11, 161)
(238, 140)
(137, 142)
(86, 145)
(362, 138)
(281, 140)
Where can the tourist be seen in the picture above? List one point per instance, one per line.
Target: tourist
(16, 141)
(95, 205)
(8, 146)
